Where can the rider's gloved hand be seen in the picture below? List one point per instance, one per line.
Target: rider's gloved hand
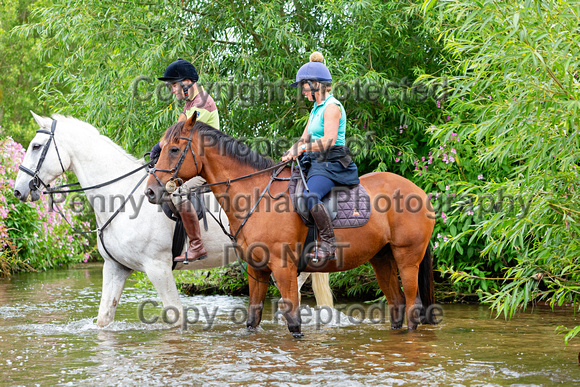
(196, 181)
(155, 151)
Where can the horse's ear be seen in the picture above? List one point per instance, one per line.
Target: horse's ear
(190, 122)
(43, 122)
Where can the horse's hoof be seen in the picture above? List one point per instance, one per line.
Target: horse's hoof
(297, 335)
(397, 326)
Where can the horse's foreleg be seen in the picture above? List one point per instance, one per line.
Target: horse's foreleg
(258, 281)
(161, 277)
(288, 285)
(114, 277)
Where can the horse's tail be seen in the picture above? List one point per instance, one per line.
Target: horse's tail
(322, 290)
(426, 288)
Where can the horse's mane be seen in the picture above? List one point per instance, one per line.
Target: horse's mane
(226, 144)
(92, 131)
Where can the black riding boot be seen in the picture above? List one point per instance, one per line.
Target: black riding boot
(327, 248)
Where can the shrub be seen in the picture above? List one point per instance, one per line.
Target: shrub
(32, 236)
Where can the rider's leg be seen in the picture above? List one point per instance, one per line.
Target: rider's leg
(195, 249)
(319, 186)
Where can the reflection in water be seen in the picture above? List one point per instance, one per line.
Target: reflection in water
(48, 335)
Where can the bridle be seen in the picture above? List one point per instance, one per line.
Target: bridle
(174, 181)
(185, 88)
(36, 181)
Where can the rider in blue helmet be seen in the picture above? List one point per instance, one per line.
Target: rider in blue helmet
(321, 149)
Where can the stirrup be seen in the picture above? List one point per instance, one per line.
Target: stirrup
(186, 261)
(313, 256)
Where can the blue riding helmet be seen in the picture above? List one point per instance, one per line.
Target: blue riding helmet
(312, 71)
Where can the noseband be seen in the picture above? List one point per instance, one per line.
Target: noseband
(36, 181)
(174, 181)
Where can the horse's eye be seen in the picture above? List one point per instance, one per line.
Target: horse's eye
(36, 147)
(174, 150)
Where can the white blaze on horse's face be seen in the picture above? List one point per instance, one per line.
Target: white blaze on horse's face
(50, 168)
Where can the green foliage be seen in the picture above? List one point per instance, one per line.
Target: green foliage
(21, 71)
(515, 97)
(32, 237)
(10, 261)
(103, 59)
(360, 282)
(569, 333)
(452, 175)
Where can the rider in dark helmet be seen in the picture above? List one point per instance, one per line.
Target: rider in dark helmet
(179, 71)
(182, 77)
(321, 149)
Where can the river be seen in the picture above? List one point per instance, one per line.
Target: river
(48, 336)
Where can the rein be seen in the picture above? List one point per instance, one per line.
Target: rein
(234, 237)
(51, 191)
(281, 165)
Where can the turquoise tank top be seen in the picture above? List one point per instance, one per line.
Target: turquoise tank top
(316, 121)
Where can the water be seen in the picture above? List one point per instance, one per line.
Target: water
(48, 336)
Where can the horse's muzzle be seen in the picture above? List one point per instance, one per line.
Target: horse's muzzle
(32, 195)
(155, 195)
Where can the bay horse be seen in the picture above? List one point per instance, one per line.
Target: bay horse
(270, 236)
(138, 237)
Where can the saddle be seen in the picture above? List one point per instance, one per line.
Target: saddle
(171, 212)
(348, 206)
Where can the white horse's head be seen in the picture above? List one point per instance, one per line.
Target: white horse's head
(44, 161)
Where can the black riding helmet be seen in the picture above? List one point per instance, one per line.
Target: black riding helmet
(178, 71)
